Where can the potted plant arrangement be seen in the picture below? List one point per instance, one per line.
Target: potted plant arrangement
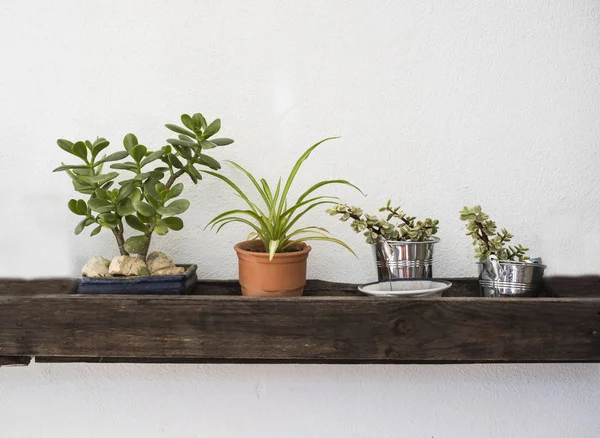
(148, 201)
(272, 262)
(504, 270)
(402, 245)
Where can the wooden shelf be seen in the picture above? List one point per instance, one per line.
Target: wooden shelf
(332, 323)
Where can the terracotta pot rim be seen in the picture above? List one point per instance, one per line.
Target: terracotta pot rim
(280, 255)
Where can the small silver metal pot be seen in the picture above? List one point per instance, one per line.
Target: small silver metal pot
(404, 259)
(510, 279)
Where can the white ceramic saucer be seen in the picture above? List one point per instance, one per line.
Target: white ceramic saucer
(406, 287)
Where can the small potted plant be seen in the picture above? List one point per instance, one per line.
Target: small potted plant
(504, 270)
(147, 201)
(402, 245)
(272, 262)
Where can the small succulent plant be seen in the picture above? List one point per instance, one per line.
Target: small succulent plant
(406, 228)
(487, 240)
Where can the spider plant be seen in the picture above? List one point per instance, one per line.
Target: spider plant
(274, 219)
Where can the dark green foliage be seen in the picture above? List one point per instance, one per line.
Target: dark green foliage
(145, 200)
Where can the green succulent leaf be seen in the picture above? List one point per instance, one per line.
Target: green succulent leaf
(80, 226)
(124, 166)
(98, 146)
(152, 157)
(150, 187)
(65, 145)
(138, 152)
(212, 129)
(102, 179)
(83, 172)
(180, 130)
(136, 244)
(187, 121)
(144, 208)
(135, 196)
(174, 192)
(221, 141)
(73, 206)
(80, 150)
(69, 167)
(206, 144)
(209, 161)
(82, 187)
(173, 223)
(125, 191)
(113, 157)
(108, 220)
(175, 208)
(129, 142)
(161, 228)
(136, 224)
(182, 143)
(100, 205)
(96, 231)
(142, 176)
(184, 152)
(125, 208)
(102, 194)
(79, 207)
(199, 121)
(175, 161)
(193, 173)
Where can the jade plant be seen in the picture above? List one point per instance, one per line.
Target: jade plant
(145, 199)
(274, 217)
(397, 226)
(487, 240)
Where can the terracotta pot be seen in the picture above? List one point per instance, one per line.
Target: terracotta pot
(284, 276)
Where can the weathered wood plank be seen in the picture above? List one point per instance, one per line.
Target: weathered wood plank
(338, 329)
(332, 323)
(48, 286)
(587, 286)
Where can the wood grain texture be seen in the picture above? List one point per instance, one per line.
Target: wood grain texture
(331, 324)
(49, 286)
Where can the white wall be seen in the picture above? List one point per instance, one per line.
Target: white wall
(439, 104)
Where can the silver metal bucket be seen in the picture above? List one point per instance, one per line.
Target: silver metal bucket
(404, 259)
(510, 279)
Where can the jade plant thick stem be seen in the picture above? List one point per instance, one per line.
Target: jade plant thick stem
(406, 228)
(144, 201)
(487, 240)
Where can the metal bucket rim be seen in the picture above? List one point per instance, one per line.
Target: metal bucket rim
(508, 262)
(432, 239)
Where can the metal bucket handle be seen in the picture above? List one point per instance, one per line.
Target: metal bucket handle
(492, 267)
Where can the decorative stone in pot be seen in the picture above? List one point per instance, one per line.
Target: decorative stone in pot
(131, 275)
(402, 248)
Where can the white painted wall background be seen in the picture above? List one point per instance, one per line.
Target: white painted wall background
(439, 104)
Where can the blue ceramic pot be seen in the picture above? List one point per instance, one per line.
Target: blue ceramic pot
(148, 285)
